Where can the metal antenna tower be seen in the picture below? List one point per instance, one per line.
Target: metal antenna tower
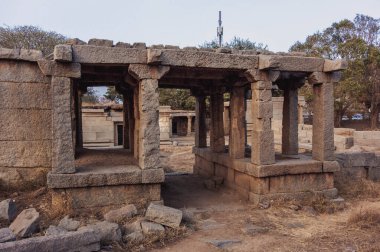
(219, 29)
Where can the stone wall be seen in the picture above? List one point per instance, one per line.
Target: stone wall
(367, 138)
(25, 123)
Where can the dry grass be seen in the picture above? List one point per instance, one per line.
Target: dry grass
(368, 218)
(353, 189)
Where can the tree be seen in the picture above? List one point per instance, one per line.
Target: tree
(357, 42)
(177, 98)
(30, 37)
(237, 43)
(90, 96)
(113, 95)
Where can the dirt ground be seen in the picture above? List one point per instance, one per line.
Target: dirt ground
(220, 220)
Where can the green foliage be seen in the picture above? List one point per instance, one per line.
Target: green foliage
(236, 43)
(357, 42)
(113, 95)
(30, 37)
(177, 98)
(90, 96)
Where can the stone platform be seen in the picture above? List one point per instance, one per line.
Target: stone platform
(290, 177)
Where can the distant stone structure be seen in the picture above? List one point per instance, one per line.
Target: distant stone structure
(41, 134)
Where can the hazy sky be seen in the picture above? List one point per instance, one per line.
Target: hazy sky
(185, 23)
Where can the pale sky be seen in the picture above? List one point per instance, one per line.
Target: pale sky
(185, 23)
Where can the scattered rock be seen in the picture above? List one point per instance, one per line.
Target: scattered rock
(117, 215)
(107, 231)
(75, 41)
(134, 237)
(139, 45)
(264, 205)
(309, 210)
(151, 228)
(251, 229)
(100, 42)
(54, 230)
(132, 227)
(6, 235)
(210, 224)
(69, 224)
(26, 223)
(167, 216)
(187, 216)
(223, 50)
(8, 210)
(38, 192)
(223, 244)
(338, 203)
(295, 207)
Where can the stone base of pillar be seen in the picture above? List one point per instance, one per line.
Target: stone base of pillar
(286, 179)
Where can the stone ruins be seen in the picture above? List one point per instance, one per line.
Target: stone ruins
(41, 133)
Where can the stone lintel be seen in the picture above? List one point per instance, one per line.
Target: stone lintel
(334, 65)
(316, 78)
(21, 54)
(254, 75)
(52, 68)
(63, 53)
(290, 63)
(108, 55)
(140, 72)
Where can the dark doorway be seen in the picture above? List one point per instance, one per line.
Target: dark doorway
(120, 130)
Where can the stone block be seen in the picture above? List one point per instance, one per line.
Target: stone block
(334, 65)
(374, 173)
(6, 235)
(301, 183)
(261, 85)
(120, 214)
(151, 228)
(69, 224)
(80, 241)
(262, 147)
(153, 175)
(123, 45)
(57, 69)
(242, 180)
(54, 230)
(63, 53)
(164, 215)
(8, 210)
(331, 166)
(259, 185)
(26, 223)
(107, 231)
(20, 54)
(262, 95)
(25, 95)
(100, 42)
(291, 63)
(261, 110)
(139, 45)
(75, 41)
(221, 171)
(10, 72)
(22, 178)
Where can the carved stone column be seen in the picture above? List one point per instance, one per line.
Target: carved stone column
(237, 123)
(200, 122)
(217, 143)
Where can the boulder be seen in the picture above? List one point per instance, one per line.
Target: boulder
(107, 231)
(132, 227)
(8, 210)
(26, 223)
(167, 216)
(117, 215)
(151, 228)
(69, 224)
(134, 237)
(6, 235)
(54, 230)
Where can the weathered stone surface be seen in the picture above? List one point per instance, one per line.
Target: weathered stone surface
(100, 42)
(151, 228)
(194, 58)
(10, 72)
(69, 224)
(25, 95)
(133, 227)
(164, 215)
(123, 45)
(290, 122)
(237, 123)
(139, 45)
(54, 230)
(120, 214)
(290, 63)
(224, 244)
(80, 241)
(107, 231)
(172, 47)
(154, 56)
(200, 122)
(331, 166)
(63, 53)
(111, 55)
(134, 237)
(20, 54)
(8, 210)
(140, 72)
(334, 65)
(217, 141)
(22, 178)
(26, 223)
(153, 176)
(263, 147)
(25, 153)
(63, 151)
(251, 229)
(223, 50)
(25, 125)
(52, 68)
(82, 178)
(301, 183)
(75, 41)
(6, 235)
(99, 196)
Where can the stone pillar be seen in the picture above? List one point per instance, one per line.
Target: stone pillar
(148, 129)
(323, 115)
(135, 130)
(237, 123)
(189, 125)
(262, 112)
(126, 121)
(290, 121)
(62, 142)
(217, 129)
(200, 122)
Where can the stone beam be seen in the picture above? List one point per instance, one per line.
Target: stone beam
(320, 77)
(140, 72)
(20, 54)
(108, 55)
(193, 58)
(334, 65)
(63, 53)
(290, 63)
(254, 75)
(52, 68)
